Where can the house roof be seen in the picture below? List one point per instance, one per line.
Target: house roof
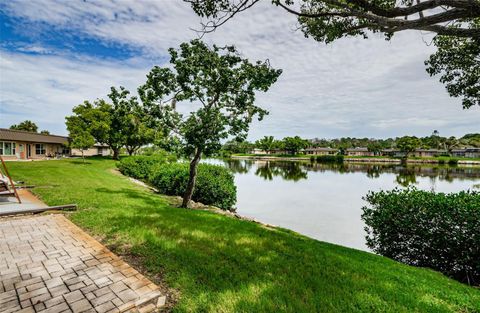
(359, 149)
(20, 135)
(320, 149)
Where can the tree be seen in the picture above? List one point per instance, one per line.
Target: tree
(267, 143)
(408, 144)
(375, 147)
(223, 85)
(456, 24)
(327, 20)
(450, 143)
(294, 144)
(133, 120)
(45, 132)
(115, 124)
(457, 61)
(26, 125)
(79, 135)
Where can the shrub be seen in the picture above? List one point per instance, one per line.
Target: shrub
(214, 185)
(428, 229)
(140, 166)
(330, 158)
(453, 161)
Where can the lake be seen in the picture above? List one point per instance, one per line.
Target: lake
(324, 201)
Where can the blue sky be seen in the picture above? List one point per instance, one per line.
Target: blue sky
(56, 54)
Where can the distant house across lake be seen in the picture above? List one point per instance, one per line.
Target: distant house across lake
(467, 152)
(359, 151)
(321, 151)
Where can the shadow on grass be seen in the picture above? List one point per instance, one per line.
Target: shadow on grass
(221, 263)
(77, 162)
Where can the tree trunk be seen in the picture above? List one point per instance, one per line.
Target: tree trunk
(83, 157)
(116, 153)
(193, 177)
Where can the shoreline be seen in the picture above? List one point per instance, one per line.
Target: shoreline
(355, 160)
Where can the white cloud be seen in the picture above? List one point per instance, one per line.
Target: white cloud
(352, 87)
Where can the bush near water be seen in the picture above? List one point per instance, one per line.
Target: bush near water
(423, 228)
(214, 186)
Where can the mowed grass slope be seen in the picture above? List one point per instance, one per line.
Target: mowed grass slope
(221, 264)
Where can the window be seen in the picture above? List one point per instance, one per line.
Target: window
(39, 148)
(7, 148)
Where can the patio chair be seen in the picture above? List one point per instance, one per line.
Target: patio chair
(7, 186)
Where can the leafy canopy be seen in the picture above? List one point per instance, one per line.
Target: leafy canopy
(117, 124)
(26, 125)
(456, 24)
(217, 80)
(458, 62)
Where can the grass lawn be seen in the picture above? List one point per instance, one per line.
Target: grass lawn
(221, 264)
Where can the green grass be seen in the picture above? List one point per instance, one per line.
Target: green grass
(221, 264)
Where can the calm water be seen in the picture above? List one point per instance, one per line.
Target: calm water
(324, 201)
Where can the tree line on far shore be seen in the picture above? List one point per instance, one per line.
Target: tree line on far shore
(293, 145)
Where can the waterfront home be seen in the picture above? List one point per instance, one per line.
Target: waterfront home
(258, 151)
(22, 145)
(460, 153)
(428, 153)
(321, 151)
(359, 151)
(472, 152)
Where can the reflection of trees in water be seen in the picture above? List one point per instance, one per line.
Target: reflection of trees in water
(238, 166)
(287, 170)
(405, 175)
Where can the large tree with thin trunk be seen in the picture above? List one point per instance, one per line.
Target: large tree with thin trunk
(217, 81)
(455, 23)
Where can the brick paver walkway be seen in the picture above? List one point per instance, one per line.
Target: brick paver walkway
(47, 264)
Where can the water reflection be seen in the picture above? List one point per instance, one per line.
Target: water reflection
(324, 201)
(405, 175)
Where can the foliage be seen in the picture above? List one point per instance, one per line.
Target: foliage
(235, 147)
(45, 132)
(294, 144)
(141, 166)
(224, 85)
(214, 185)
(134, 123)
(408, 144)
(267, 143)
(427, 229)
(455, 23)
(117, 124)
(81, 139)
(219, 263)
(26, 125)
(457, 60)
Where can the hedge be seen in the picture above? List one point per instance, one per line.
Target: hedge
(214, 185)
(423, 228)
(140, 166)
